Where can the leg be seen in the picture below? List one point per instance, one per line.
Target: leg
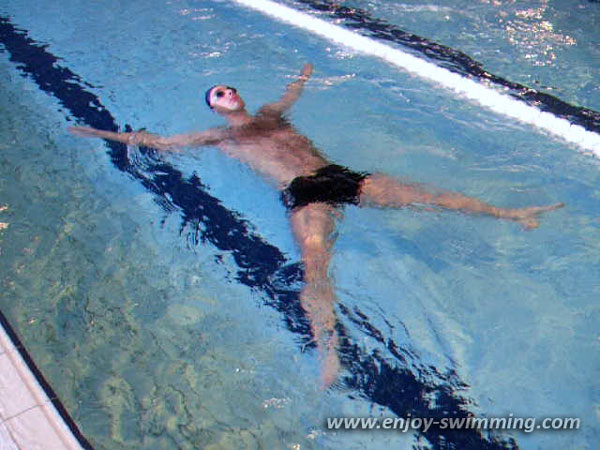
(313, 226)
(381, 190)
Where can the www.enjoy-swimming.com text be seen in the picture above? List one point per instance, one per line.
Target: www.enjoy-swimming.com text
(405, 424)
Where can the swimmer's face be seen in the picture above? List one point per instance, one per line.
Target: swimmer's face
(224, 99)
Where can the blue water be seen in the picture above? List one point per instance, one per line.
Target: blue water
(148, 335)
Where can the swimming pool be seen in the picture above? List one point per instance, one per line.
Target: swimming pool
(159, 297)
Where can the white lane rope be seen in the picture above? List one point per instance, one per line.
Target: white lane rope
(464, 87)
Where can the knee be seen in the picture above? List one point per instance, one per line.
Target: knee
(313, 243)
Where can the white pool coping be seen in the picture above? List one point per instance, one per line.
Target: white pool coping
(28, 417)
(483, 94)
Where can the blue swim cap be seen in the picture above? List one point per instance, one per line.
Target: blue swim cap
(207, 96)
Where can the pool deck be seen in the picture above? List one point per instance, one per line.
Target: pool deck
(28, 417)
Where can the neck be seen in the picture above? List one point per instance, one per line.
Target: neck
(238, 118)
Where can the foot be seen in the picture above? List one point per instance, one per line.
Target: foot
(330, 361)
(318, 299)
(528, 216)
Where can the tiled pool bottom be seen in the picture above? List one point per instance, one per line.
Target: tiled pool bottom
(28, 417)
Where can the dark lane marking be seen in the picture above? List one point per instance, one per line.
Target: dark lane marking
(420, 392)
(453, 60)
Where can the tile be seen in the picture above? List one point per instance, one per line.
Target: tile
(31, 430)
(5, 342)
(27, 417)
(59, 425)
(15, 395)
(6, 440)
(27, 377)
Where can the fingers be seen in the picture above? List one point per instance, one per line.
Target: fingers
(84, 131)
(535, 210)
(530, 223)
(552, 207)
(528, 216)
(307, 70)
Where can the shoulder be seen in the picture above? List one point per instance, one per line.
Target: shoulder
(271, 117)
(269, 111)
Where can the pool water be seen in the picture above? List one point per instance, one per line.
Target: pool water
(165, 325)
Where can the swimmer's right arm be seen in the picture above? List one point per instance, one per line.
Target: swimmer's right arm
(141, 138)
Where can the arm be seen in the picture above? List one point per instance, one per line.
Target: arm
(292, 93)
(209, 137)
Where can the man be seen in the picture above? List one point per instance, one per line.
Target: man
(313, 190)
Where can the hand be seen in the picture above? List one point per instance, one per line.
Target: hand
(307, 71)
(85, 131)
(137, 138)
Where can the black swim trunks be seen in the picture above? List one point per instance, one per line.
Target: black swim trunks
(333, 184)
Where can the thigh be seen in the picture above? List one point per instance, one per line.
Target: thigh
(382, 190)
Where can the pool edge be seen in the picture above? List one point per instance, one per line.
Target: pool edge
(39, 419)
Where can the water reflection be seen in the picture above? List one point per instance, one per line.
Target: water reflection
(532, 33)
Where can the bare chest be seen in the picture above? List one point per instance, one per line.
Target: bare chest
(277, 154)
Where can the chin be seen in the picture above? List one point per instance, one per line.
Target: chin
(236, 108)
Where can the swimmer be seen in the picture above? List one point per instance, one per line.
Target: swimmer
(313, 190)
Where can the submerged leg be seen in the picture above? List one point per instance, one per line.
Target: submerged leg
(382, 190)
(313, 226)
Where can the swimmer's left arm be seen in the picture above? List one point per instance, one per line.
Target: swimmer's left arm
(292, 92)
(172, 143)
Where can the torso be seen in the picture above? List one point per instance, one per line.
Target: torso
(271, 146)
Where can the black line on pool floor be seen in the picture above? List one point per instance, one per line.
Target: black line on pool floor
(405, 386)
(453, 60)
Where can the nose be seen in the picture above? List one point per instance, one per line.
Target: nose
(232, 95)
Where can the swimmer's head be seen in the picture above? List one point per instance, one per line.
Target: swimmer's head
(224, 99)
